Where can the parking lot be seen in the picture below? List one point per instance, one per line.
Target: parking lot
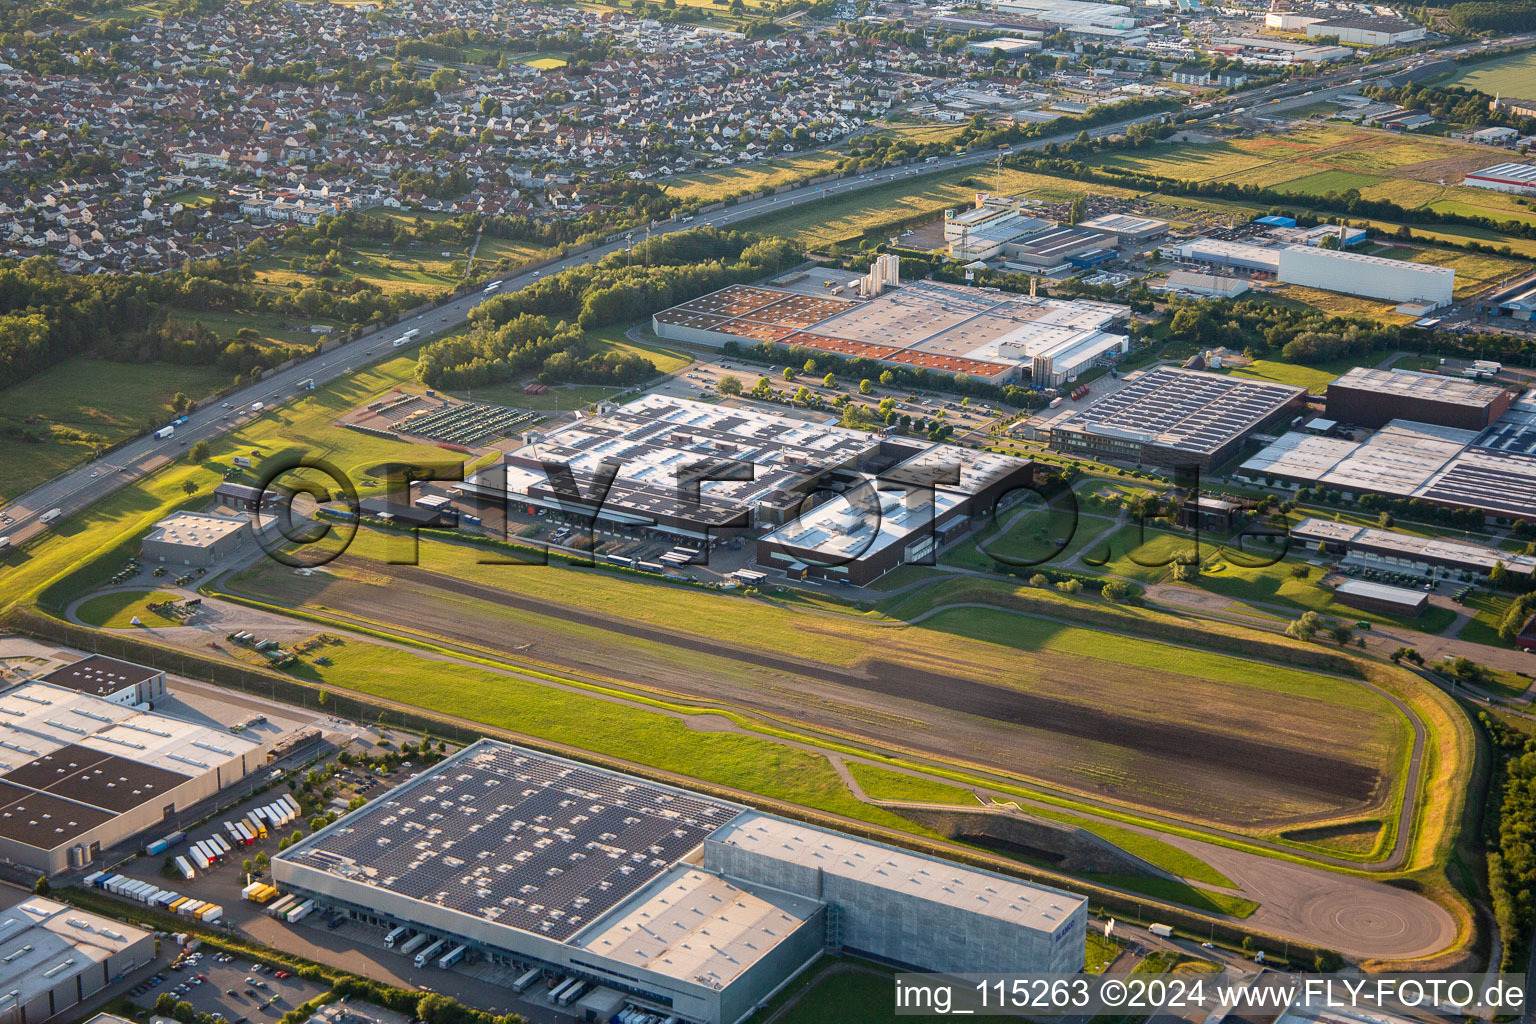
(235, 990)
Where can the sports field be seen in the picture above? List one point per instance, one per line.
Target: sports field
(1038, 699)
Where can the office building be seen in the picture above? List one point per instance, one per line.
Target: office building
(684, 904)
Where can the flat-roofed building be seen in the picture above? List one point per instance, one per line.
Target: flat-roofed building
(53, 956)
(80, 774)
(193, 539)
(1196, 283)
(1367, 31)
(678, 900)
(1127, 229)
(1380, 598)
(982, 332)
(1511, 176)
(1174, 417)
(902, 518)
(1218, 252)
(1372, 398)
(1050, 251)
(121, 682)
(1375, 277)
(1429, 557)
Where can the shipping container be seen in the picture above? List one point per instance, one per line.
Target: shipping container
(414, 943)
(185, 867)
(156, 848)
(221, 845)
(523, 983)
(176, 905)
(452, 957)
(573, 993)
(213, 915)
(282, 906)
(300, 912)
(93, 878)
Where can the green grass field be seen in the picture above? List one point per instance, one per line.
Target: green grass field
(1508, 76)
(89, 402)
(117, 610)
(881, 784)
(1314, 378)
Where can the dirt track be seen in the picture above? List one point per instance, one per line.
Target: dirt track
(1232, 776)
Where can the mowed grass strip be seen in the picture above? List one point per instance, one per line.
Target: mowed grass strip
(752, 763)
(118, 609)
(883, 784)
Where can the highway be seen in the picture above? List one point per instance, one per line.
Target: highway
(77, 489)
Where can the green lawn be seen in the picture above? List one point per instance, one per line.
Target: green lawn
(881, 784)
(1314, 378)
(1177, 892)
(1488, 611)
(1513, 75)
(118, 609)
(88, 402)
(1273, 584)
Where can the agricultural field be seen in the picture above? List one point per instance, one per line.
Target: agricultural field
(1314, 159)
(1513, 75)
(847, 218)
(1068, 716)
(83, 403)
(709, 186)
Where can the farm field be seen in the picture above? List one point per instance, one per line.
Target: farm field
(1067, 717)
(85, 402)
(1315, 159)
(848, 217)
(1509, 76)
(708, 186)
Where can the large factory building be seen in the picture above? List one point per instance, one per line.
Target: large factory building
(981, 332)
(81, 772)
(1372, 398)
(672, 901)
(53, 957)
(1178, 418)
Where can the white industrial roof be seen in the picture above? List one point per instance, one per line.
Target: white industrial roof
(969, 889)
(1413, 384)
(38, 719)
(44, 943)
(1518, 173)
(1404, 545)
(696, 926)
(193, 529)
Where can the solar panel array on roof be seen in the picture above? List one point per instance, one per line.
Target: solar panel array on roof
(531, 842)
(1184, 409)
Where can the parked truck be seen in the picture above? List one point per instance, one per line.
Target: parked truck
(431, 953)
(416, 942)
(395, 936)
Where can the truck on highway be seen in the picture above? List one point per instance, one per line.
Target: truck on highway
(5, 543)
(164, 432)
(307, 384)
(258, 406)
(1162, 930)
(492, 287)
(50, 516)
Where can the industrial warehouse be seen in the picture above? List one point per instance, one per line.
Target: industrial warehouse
(81, 770)
(693, 470)
(1426, 557)
(1491, 470)
(637, 892)
(981, 332)
(1371, 398)
(1309, 265)
(1173, 417)
(54, 957)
